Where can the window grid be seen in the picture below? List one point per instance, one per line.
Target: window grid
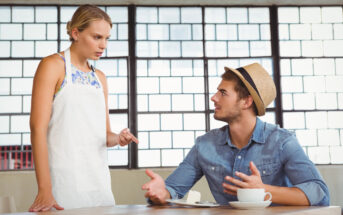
(41, 33)
(311, 77)
(295, 43)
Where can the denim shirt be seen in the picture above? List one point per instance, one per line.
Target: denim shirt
(275, 151)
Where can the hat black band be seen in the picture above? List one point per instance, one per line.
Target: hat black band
(248, 78)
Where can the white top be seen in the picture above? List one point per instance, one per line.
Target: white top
(77, 146)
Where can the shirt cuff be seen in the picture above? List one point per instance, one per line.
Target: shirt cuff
(313, 192)
(172, 192)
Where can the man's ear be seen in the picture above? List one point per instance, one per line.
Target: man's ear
(248, 102)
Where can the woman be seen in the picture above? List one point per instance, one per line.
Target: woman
(69, 122)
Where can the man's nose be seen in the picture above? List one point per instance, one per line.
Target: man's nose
(214, 97)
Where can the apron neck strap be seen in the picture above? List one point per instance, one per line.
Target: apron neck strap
(68, 65)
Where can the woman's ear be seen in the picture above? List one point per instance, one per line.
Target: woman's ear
(75, 34)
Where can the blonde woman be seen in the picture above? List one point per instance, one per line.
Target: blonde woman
(69, 122)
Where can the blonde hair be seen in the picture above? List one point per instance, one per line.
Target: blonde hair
(83, 16)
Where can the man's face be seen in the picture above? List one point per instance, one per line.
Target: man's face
(227, 104)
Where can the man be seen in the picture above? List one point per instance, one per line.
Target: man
(246, 153)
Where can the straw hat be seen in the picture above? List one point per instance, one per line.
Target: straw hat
(259, 84)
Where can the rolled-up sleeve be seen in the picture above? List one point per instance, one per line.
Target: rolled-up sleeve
(185, 176)
(302, 173)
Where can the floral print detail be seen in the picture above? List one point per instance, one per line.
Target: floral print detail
(85, 78)
(79, 77)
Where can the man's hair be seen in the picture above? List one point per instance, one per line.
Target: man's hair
(240, 88)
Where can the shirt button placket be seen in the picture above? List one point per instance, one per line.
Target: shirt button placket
(237, 164)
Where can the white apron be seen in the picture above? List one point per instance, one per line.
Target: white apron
(77, 146)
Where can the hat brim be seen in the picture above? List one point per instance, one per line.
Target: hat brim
(258, 101)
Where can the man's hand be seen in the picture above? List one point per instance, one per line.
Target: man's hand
(252, 181)
(156, 188)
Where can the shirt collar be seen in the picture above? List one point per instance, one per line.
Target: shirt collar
(257, 135)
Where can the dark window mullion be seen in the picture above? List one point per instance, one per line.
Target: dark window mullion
(274, 30)
(132, 88)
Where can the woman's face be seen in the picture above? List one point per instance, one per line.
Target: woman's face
(93, 40)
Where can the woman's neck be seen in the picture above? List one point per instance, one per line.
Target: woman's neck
(77, 58)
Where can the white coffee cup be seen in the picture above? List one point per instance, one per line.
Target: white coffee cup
(253, 195)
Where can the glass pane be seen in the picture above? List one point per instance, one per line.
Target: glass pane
(158, 32)
(180, 32)
(169, 15)
(147, 49)
(22, 49)
(5, 49)
(117, 48)
(215, 15)
(248, 32)
(21, 86)
(310, 15)
(149, 158)
(141, 32)
(191, 15)
(170, 49)
(258, 15)
(46, 14)
(123, 32)
(4, 124)
(237, 15)
(216, 49)
(192, 49)
(117, 14)
(20, 124)
(5, 14)
(288, 14)
(172, 157)
(22, 14)
(11, 31)
(67, 13)
(146, 14)
(332, 14)
(45, 48)
(238, 49)
(4, 86)
(10, 68)
(226, 32)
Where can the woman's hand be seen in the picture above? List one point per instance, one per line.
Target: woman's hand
(44, 201)
(123, 138)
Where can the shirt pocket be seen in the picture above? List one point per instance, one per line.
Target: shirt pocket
(268, 169)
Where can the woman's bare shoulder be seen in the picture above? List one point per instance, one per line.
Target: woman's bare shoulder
(51, 65)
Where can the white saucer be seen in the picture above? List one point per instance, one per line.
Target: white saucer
(250, 205)
(184, 203)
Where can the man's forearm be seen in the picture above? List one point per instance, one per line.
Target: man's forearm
(287, 195)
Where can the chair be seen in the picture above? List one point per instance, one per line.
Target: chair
(7, 204)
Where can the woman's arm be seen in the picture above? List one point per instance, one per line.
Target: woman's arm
(45, 82)
(124, 137)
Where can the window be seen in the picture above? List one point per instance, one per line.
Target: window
(312, 77)
(180, 53)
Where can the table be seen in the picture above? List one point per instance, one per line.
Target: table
(177, 210)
